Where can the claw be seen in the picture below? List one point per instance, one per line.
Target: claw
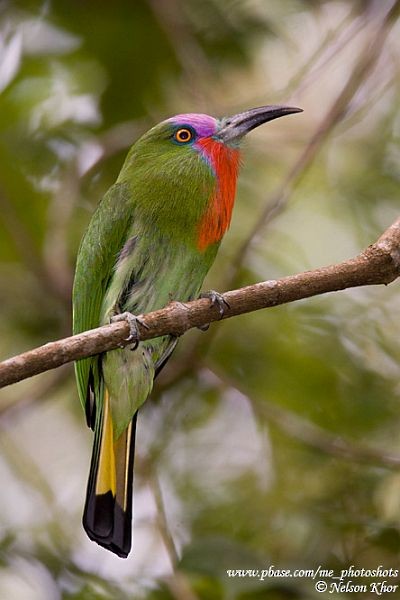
(132, 320)
(216, 299)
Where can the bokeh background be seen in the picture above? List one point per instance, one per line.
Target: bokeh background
(274, 438)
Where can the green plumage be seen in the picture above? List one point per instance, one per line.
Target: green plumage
(139, 253)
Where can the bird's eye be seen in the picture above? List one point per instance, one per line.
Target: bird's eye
(184, 135)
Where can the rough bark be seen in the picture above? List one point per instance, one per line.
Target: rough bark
(377, 264)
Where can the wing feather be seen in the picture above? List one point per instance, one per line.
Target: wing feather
(97, 257)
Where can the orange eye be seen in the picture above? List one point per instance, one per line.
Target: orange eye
(184, 135)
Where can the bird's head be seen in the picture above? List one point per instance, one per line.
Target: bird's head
(195, 131)
(196, 155)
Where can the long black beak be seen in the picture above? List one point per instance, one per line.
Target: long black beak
(235, 127)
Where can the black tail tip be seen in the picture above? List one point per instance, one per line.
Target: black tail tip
(107, 524)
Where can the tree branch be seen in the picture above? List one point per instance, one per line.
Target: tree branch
(377, 264)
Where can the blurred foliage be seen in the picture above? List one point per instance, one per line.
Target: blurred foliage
(238, 464)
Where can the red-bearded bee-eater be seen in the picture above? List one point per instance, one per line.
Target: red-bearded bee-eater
(152, 239)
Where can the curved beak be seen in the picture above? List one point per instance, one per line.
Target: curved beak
(235, 127)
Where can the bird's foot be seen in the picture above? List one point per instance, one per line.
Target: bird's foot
(133, 321)
(216, 299)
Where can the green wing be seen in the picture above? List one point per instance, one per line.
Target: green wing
(97, 255)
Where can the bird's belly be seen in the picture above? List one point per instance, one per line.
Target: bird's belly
(143, 282)
(165, 280)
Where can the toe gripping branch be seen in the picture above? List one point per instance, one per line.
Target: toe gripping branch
(133, 321)
(216, 299)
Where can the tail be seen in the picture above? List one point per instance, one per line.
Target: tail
(107, 516)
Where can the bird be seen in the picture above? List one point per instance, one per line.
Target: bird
(151, 240)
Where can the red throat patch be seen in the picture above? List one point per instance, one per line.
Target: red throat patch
(216, 219)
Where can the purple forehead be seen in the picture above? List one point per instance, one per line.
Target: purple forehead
(204, 125)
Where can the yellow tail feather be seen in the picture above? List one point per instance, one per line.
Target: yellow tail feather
(108, 510)
(106, 479)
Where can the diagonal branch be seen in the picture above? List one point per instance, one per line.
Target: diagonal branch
(377, 264)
